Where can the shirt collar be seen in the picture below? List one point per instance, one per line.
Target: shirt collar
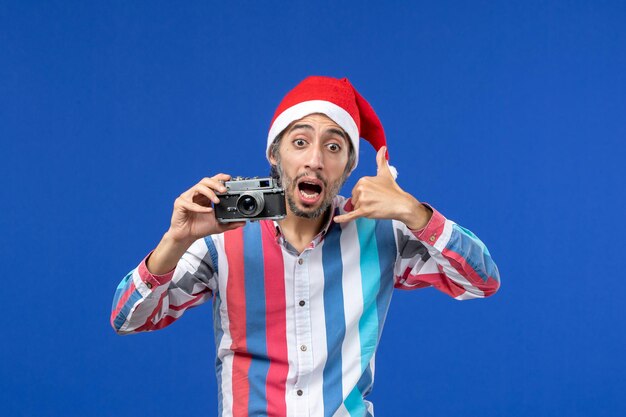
(318, 238)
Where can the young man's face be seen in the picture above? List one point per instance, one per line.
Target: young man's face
(311, 160)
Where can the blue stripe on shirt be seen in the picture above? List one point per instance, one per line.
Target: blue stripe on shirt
(466, 244)
(370, 283)
(334, 318)
(121, 317)
(255, 318)
(212, 252)
(354, 403)
(365, 382)
(121, 289)
(377, 254)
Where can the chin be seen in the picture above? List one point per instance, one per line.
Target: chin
(306, 211)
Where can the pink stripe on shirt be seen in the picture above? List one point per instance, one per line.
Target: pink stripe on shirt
(276, 320)
(236, 302)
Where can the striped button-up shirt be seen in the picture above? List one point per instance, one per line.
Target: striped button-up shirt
(296, 333)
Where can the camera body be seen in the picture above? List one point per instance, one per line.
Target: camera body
(251, 199)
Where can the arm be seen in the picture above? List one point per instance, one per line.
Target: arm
(179, 273)
(432, 250)
(446, 256)
(145, 301)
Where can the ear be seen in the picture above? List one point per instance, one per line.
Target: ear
(273, 149)
(349, 169)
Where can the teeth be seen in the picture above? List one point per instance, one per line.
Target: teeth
(307, 195)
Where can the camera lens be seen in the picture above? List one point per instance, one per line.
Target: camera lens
(250, 204)
(247, 205)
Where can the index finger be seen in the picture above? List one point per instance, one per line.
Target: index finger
(215, 183)
(221, 177)
(343, 218)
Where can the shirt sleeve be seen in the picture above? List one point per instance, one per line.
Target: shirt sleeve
(145, 302)
(446, 256)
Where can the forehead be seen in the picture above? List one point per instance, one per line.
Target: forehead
(317, 121)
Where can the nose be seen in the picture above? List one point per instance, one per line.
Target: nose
(315, 158)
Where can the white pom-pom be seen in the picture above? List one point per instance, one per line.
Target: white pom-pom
(393, 170)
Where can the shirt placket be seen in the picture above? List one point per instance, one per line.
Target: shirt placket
(303, 333)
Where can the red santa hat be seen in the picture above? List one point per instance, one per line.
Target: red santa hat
(337, 99)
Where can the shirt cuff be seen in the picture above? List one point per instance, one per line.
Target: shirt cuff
(433, 229)
(150, 279)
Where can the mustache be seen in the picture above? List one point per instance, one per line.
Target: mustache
(314, 174)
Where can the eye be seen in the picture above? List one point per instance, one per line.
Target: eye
(334, 147)
(299, 143)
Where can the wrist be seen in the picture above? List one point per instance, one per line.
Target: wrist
(172, 239)
(166, 255)
(418, 215)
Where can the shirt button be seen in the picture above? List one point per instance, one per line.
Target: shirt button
(148, 285)
(303, 348)
(432, 238)
(299, 392)
(300, 261)
(302, 303)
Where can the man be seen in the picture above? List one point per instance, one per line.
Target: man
(299, 304)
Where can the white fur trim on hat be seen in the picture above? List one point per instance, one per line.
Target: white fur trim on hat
(300, 110)
(394, 171)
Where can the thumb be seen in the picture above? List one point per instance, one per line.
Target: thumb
(381, 162)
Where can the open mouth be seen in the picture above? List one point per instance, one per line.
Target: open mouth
(310, 189)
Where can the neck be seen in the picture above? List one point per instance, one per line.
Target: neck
(300, 231)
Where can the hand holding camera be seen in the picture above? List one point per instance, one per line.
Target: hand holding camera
(234, 202)
(193, 217)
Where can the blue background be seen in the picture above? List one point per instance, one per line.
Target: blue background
(509, 117)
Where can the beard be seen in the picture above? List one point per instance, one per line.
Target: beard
(291, 188)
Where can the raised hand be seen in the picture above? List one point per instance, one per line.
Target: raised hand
(381, 197)
(193, 217)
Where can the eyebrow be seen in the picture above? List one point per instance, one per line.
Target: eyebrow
(309, 127)
(300, 126)
(338, 132)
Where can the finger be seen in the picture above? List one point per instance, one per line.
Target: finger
(221, 177)
(381, 161)
(207, 192)
(187, 195)
(343, 218)
(213, 184)
(357, 191)
(196, 194)
(193, 207)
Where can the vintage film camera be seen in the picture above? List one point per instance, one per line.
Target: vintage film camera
(251, 199)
